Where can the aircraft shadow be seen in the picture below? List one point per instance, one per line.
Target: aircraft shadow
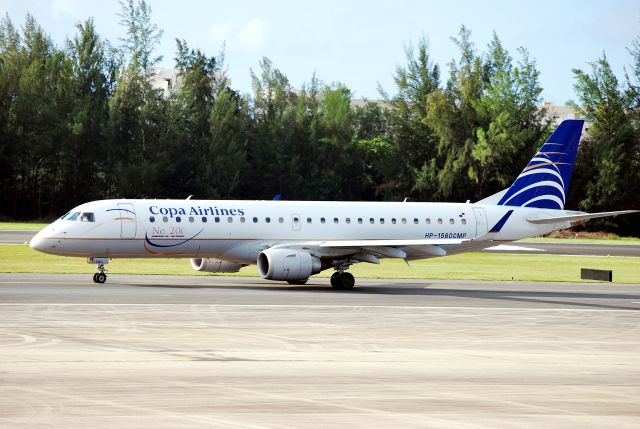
(559, 298)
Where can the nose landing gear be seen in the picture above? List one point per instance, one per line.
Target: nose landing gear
(100, 276)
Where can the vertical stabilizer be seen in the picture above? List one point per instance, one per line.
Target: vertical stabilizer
(544, 182)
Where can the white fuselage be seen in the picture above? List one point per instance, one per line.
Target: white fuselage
(238, 231)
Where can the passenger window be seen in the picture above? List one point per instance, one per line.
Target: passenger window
(308, 220)
(152, 219)
(281, 220)
(359, 220)
(428, 221)
(230, 219)
(190, 219)
(165, 219)
(87, 217)
(415, 220)
(371, 220)
(382, 220)
(393, 220)
(464, 221)
(321, 220)
(204, 219)
(404, 221)
(216, 219)
(242, 219)
(178, 219)
(347, 220)
(335, 220)
(255, 220)
(267, 219)
(451, 221)
(440, 220)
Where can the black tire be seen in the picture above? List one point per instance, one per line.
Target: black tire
(100, 277)
(347, 281)
(335, 279)
(94, 277)
(297, 282)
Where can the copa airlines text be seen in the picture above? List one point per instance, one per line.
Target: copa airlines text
(292, 240)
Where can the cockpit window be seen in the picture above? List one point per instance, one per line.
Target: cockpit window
(72, 216)
(64, 215)
(87, 217)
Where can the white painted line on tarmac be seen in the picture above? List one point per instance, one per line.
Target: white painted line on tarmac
(307, 306)
(89, 282)
(508, 248)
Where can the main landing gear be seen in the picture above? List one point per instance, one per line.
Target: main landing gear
(342, 280)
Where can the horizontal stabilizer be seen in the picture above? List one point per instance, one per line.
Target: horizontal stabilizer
(578, 217)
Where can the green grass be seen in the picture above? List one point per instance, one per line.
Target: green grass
(22, 226)
(476, 266)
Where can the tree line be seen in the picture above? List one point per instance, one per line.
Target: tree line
(81, 122)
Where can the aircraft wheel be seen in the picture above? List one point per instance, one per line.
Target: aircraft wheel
(94, 277)
(347, 281)
(100, 277)
(334, 279)
(344, 281)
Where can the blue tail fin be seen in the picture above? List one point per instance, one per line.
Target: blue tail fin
(545, 180)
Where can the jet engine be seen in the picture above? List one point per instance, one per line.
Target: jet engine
(215, 265)
(287, 264)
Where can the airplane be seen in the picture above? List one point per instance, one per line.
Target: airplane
(293, 240)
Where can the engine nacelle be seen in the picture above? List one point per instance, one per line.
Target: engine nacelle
(215, 265)
(287, 264)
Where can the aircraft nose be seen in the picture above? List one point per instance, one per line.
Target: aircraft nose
(43, 242)
(37, 242)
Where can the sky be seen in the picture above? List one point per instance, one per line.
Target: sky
(360, 43)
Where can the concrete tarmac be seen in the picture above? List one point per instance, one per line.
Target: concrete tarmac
(570, 247)
(231, 352)
(16, 237)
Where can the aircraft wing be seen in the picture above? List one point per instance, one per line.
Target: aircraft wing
(390, 243)
(371, 250)
(579, 217)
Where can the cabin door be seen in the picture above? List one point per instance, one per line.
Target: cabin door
(128, 224)
(481, 221)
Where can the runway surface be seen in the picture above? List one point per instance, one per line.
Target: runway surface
(16, 237)
(182, 352)
(571, 247)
